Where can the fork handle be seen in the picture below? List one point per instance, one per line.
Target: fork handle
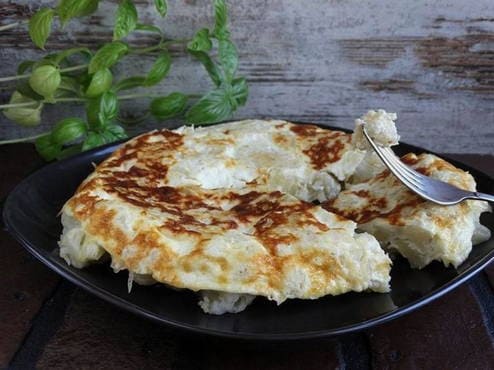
(482, 196)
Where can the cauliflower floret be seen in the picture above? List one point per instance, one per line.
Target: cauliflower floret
(77, 248)
(218, 303)
(381, 128)
(379, 125)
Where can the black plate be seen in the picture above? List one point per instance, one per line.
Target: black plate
(30, 215)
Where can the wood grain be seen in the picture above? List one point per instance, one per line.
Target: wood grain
(320, 61)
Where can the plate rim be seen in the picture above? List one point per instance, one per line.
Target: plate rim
(121, 303)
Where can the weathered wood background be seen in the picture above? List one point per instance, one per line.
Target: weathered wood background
(320, 61)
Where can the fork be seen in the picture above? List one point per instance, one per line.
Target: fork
(428, 188)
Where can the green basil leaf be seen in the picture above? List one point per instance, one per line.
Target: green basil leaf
(107, 56)
(228, 57)
(102, 110)
(67, 152)
(65, 93)
(40, 26)
(84, 79)
(101, 81)
(168, 106)
(45, 81)
(107, 137)
(67, 130)
(92, 113)
(161, 7)
(240, 90)
(108, 107)
(48, 149)
(69, 84)
(113, 132)
(26, 115)
(24, 66)
(217, 105)
(23, 87)
(110, 133)
(148, 28)
(201, 41)
(126, 20)
(69, 52)
(130, 83)
(68, 9)
(117, 130)
(93, 140)
(159, 69)
(220, 20)
(207, 62)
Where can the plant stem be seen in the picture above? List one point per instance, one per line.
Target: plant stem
(28, 104)
(27, 75)
(160, 46)
(137, 51)
(18, 105)
(84, 66)
(137, 96)
(20, 140)
(12, 78)
(179, 41)
(145, 50)
(120, 97)
(68, 100)
(74, 68)
(12, 25)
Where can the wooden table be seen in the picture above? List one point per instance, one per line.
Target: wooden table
(48, 323)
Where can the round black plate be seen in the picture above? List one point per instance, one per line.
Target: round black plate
(30, 215)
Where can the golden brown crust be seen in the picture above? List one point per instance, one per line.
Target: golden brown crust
(376, 204)
(325, 146)
(174, 232)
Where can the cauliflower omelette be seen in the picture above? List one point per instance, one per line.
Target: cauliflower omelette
(246, 209)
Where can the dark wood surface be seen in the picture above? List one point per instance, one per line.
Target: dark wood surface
(48, 323)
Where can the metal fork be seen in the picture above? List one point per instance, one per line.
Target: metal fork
(431, 189)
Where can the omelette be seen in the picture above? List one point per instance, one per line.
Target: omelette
(226, 211)
(246, 209)
(404, 223)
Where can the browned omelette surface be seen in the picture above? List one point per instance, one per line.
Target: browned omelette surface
(402, 221)
(225, 209)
